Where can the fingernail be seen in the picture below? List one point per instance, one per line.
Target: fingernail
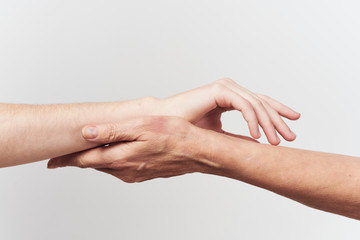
(90, 132)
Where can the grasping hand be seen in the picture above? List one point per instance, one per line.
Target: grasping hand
(203, 107)
(146, 148)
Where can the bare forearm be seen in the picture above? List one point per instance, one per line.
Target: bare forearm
(36, 132)
(324, 181)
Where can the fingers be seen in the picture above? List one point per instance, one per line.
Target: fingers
(253, 111)
(235, 101)
(267, 125)
(94, 158)
(282, 109)
(90, 158)
(265, 120)
(267, 111)
(279, 124)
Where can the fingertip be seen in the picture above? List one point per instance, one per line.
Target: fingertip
(273, 139)
(289, 135)
(292, 136)
(294, 116)
(255, 136)
(271, 135)
(52, 164)
(258, 133)
(57, 162)
(255, 133)
(292, 139)
(276, 141)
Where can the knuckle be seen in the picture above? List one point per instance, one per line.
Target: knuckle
(217, 87)
(119, 162)
(246, 106)
(81, 162)
(107, 157)
(110, 135)
(257, 103)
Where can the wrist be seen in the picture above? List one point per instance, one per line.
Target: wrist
(124, 110)
(147, 106)
(229, 156)
(203, 147)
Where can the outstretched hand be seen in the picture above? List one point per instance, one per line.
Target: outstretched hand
(203, 107)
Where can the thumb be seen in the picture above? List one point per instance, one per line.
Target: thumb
(109, 133)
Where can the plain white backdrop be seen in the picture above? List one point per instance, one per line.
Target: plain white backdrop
(303, 53)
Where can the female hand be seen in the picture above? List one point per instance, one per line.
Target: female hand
(203, 107)
(147, 148)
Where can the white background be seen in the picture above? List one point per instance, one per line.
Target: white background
(304, 53)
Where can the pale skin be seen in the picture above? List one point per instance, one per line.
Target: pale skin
(152, 147)
(47, 131)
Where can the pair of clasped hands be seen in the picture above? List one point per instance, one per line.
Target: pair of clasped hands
(180, 134)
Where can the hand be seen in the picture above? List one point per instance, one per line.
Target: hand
(146, 148)
(203, 107)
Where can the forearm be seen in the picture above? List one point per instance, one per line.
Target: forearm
(324, 181)
(36, 132)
